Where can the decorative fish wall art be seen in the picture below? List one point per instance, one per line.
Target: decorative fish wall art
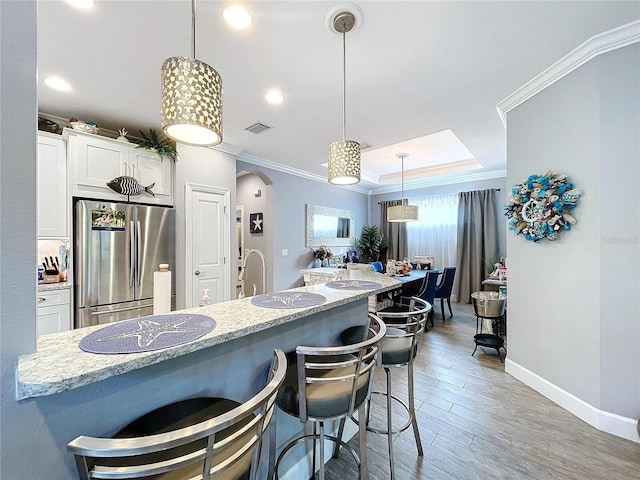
(129, 186)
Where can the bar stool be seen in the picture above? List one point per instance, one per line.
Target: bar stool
(198, 438)
(399, 347)
(330, 383)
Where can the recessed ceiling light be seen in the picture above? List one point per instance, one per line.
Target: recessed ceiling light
(274, 97)
(58, 83)
(82, 3)
(237, 17)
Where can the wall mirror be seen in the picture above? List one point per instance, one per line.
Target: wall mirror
(328, 226)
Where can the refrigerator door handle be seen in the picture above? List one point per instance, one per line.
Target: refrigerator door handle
(138, 253)
(132, 255)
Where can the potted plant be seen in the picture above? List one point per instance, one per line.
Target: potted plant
(371, 244)
(162, 146)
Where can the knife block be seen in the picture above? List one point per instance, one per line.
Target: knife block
(51, 278)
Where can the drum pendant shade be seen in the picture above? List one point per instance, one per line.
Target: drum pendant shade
(191, 99)
(402, 213)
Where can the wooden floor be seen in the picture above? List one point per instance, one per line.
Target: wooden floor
(477, 422)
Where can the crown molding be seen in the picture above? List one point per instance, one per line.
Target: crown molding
(598, 44)
(294, 171)
(473, 177)
(437, 182)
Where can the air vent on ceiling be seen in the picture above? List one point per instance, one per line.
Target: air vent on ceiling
(257, 128)
(365, 145)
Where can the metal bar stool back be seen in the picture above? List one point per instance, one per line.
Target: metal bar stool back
(329, 383)
(199, 438)
(399, 348)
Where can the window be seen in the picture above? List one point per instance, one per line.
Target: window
(435, 233)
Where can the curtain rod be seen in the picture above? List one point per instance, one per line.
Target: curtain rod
(494, 189)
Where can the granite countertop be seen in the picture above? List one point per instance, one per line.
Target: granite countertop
(45, 287)
(59, 364)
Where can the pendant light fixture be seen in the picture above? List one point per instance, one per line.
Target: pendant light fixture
(402, 213)
(191, 97)
(344, 155)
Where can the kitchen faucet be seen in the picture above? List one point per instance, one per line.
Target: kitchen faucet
(263, 260)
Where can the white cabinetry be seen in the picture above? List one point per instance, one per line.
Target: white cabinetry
(52, 186)
(53, 312)
(94, 161)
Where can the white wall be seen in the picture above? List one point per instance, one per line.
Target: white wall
(209, 167)
(574, 312)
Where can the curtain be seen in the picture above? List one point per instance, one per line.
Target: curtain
(477, 240)
(435, 233)
(395, 232)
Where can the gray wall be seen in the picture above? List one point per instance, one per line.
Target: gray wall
(454, 188)
(290, 195)
(18, 239)
(574, 302)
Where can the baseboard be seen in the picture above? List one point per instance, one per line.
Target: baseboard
(606, 421)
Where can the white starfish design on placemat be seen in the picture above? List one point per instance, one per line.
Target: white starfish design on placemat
(148, 331)
(289, 300)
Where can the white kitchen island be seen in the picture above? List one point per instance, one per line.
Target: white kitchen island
(79, 393)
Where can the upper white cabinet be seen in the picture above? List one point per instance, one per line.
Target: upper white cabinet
(94, 161)
(52, 186)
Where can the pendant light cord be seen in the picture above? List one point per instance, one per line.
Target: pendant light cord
(344, 85)
(193, 29)
(402, 183)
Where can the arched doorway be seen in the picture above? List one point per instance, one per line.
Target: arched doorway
(254, 229)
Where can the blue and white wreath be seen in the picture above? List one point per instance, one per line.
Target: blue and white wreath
(539, 207)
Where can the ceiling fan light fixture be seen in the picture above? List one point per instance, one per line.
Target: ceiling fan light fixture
(344, 155)
(191, 98)
(402, 213)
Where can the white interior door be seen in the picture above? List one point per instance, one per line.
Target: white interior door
(208, 243)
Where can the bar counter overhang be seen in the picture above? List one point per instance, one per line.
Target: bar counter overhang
(79, 393)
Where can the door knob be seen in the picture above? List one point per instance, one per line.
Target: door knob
(198, 272)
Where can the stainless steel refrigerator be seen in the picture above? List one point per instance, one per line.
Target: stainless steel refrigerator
(117, 248)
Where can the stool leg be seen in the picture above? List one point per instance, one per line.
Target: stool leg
(389, 425)
(364, 469)
(272, 446)
(313, 462)
(321, 451)
(336, 445)
(412, 410)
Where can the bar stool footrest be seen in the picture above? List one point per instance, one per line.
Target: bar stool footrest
(396, 430)
(314, 436)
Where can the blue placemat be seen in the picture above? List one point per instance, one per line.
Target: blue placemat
(288, 300)
(147, 333)
(353, 285)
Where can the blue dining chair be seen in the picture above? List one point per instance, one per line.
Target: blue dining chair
(443, 290)
(427, 291)
(377, 266)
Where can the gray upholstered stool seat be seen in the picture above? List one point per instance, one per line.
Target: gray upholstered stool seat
(196, 438)
(323, 399)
